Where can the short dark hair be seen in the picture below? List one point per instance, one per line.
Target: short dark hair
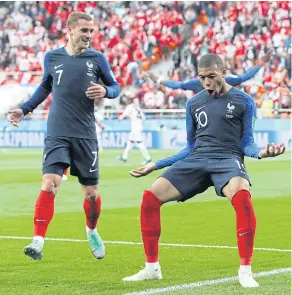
(211, 60)
(75, 16)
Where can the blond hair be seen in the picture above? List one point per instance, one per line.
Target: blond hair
(75, 16)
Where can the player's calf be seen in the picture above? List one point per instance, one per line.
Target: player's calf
(43, 214)
(92, 209)
(245, 225)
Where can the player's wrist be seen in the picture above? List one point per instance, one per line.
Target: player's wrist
(155, 167)
(24, 110)
(106, 92)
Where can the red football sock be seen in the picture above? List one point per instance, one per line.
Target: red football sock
(92, 211)
(65, 171)
(245, 225)
(150, 225)
(43, 213)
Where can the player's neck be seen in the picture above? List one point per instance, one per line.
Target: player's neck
(226, 87)
(73, 50)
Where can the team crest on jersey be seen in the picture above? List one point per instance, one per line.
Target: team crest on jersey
(229, 111)
(89, 65)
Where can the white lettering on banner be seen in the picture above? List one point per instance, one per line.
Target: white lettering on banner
(116, 139)
(22, 139)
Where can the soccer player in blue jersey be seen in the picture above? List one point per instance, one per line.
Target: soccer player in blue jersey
(71, 73)
(219, 122)
(196, 85)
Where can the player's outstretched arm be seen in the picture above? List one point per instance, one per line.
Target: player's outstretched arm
(44, 89)
(193, 84)
(148, 168)
(236, 80)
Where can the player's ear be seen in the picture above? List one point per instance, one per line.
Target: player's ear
(69, 29)
(223, 71)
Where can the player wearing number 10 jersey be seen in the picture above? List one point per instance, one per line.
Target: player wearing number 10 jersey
(219, 123)
(71, 73)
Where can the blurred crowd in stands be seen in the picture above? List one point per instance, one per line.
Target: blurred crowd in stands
(136, 35)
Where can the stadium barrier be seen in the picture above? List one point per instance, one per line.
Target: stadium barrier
(167, 139)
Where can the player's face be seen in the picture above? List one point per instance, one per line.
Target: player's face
(212, 80)
(81, 34)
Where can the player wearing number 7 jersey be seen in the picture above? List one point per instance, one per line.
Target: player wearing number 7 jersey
(219, 122)
(71, 73)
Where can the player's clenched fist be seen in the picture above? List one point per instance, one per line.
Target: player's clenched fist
(15, 116)
(95, 91)
(142, 171)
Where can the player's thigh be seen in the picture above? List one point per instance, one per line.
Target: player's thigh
(84, 161)
(52, 177)
(56, 150)
(189, 177)
(228, 176)
(163, 189)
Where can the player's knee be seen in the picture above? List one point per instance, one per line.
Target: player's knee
(150, 201)
(242, 185)
(235, 185)
(50, 184)
(90, 193)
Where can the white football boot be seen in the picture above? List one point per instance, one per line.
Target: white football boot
(246, 280)
(152, 271)
(34, 250)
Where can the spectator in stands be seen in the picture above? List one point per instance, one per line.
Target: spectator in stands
(134, 35)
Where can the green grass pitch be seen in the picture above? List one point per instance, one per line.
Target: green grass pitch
(69, 268)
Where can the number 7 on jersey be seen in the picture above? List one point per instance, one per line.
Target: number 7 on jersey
(60, 72)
